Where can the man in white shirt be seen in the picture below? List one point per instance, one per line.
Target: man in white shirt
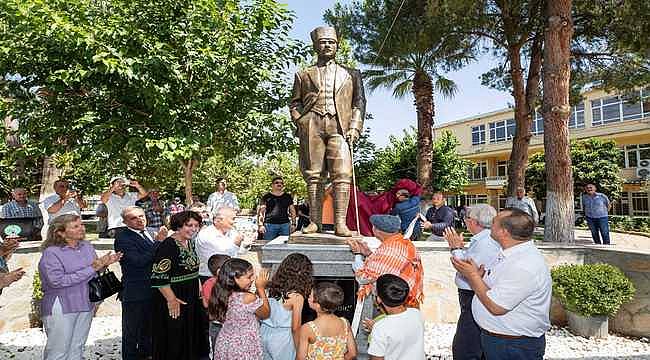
(65, 200)
(117, 199)
(400, 334)
(483, 250)
(219, 238)
(523, 203)
(221, 198)
(513, 297)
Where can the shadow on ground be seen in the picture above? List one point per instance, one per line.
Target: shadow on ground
(105, 349)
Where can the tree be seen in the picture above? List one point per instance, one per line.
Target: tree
(408, 56)
(449, 170)
(513, 29)
(556, 110)
(123, 82)
(250, 178)
(607, 48)
(592, 161)
(396, 161)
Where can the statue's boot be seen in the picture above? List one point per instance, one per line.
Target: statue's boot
(315, 194)
(341, 200)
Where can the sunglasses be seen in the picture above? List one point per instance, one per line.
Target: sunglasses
(278, 183)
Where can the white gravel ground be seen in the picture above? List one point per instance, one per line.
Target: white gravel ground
(104, 343)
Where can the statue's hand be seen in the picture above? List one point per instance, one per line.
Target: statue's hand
(352, 136)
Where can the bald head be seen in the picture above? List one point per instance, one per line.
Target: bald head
(134, 217)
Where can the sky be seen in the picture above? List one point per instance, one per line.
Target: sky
(392, 115)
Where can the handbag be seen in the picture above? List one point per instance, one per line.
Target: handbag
(103, 286)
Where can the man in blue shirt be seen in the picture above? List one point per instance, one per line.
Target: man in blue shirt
(439, 217)
(595, 206)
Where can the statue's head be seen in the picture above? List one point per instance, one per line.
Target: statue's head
(325, 41)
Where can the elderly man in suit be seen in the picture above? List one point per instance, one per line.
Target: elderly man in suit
(138, 247)
(328, 107)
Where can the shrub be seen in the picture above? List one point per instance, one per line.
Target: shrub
(628, 223)
(591, 289)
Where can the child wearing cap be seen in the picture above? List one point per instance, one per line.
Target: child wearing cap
(399, 334)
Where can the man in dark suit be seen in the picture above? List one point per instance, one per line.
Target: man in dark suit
(138, 247)
(328, 107)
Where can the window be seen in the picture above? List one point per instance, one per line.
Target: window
(633, 153)
(478, 135)
(502, 168)
(577, 119)
(474, 199)
(502, 201)
(613, 109)
(537, 125)
(478, 171)
(640, 204)
(502, 130)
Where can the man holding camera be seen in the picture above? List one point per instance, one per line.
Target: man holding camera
(65, 200)
(116, 199)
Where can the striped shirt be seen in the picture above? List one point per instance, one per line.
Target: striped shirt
(31, 210)
(397, 256)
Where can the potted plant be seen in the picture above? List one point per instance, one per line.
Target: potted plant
(37, 295)
(590, 293)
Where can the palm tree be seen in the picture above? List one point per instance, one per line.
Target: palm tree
(407, 56)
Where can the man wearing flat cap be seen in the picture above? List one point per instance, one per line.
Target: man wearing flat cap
(328, 107)
(396, 255)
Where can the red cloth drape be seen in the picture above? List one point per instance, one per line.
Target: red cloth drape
(376, 204)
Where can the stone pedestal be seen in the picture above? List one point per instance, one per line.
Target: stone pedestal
(331, 262)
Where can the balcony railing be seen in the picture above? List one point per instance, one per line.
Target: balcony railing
(495, 182)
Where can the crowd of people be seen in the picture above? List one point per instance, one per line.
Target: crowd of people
(189, 294)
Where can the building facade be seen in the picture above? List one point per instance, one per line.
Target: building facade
(486, 140)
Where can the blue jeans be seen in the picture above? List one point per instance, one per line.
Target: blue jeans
(467, 340)
(275, 230)
(497, 348)
(599, 226)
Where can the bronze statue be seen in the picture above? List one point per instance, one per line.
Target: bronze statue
(328, 107)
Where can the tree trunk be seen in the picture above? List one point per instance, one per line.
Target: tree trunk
(559, 224)
(50, 174)
(523, 119)
(188, 170)
(423, 93)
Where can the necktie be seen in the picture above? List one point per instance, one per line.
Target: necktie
(144, 235)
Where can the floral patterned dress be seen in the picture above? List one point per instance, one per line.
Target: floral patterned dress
(239, 338)
(328, 347)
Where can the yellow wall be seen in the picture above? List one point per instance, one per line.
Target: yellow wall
(624, 133)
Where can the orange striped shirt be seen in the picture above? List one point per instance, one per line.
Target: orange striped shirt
(397, 256)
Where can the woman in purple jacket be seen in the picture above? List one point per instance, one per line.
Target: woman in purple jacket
(67, 264)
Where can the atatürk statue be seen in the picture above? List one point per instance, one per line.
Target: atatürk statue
(328, 107)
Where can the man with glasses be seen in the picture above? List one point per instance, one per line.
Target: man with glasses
(596, 206)
(222, 198)
(276, 214)
(483, 250)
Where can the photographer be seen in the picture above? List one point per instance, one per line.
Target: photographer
(117, 199)
(65, 200)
